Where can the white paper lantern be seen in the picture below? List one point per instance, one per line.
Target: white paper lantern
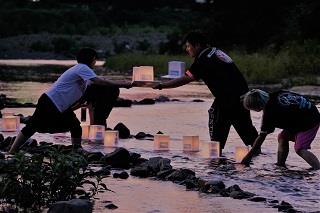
(241, 152)
(161, 142)
(143, 73)
(176, 69)
(111, 138)
(85, 131)
(96, 133)
(214, 148)
(191, 143)
(10, 123)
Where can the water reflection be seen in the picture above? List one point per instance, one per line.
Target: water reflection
(296, 185)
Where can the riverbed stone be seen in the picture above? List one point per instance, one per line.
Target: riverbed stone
(180, 175)
(124, 131)
(120, 158)
(71, 206)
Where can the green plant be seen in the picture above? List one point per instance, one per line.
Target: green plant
(31, 182)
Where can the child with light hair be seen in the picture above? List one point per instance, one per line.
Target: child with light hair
(296, 115)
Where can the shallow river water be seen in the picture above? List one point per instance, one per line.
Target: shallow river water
(296, 185)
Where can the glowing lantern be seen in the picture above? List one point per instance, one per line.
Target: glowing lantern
(211, 149)
(191, 143)
(241, 152)
(10, 123)
(85, 131)
(6, 114)
(214, 149)
(96, 133)
(176, 69)
(161, 142)
(111, 138)
(142, 73)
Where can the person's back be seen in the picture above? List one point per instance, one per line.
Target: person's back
(220, 74)
(289, 111)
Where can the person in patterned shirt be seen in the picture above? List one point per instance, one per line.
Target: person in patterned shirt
(297, 116)
(225, 81)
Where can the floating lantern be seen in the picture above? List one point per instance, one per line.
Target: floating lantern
(241, 152)
(96, 133)
(214, 149)
(142, 73)
(111, 138)
(6, 114)
(176, 69)
(10, 123)
(191, 143)
(161, 142)
(85, 131)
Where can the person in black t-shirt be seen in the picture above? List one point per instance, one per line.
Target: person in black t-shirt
(226, 83)
(295, 114)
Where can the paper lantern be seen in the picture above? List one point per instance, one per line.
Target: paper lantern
(85, 131)
(6, 114)
(111, 138)
(214, 149)
(191, 143)
(176, 69)
(161, 142)
(96, 133)
(10, 123)
(241, 152)
(143, 73)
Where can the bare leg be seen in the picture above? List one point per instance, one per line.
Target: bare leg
(310, 158)
(283, 151)
(20, 139)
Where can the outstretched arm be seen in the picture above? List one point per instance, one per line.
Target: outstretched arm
(174, 83)
(105, 82)
(256, 146)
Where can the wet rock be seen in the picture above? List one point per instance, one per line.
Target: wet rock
(6, 143)
(71, 206)
(212, 186)
(139, 172)
(257, 199)
(111, 206)
(2, 156)
(121, 175)
(164, 173)
(146, 101)
(142, 135)
(120, 158)
(241, 194)
(94, 156)
(175, 99)
(197, 100)
(273, 201)
(124, 132)
(180, 175)
(104, 171)
(121, 102)
(134, 157)
(284, 207)
(162, 98)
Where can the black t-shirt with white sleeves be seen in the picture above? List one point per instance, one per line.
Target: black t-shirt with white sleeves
(220, 74)
(289, 111)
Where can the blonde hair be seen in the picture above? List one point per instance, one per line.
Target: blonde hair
(255, 99)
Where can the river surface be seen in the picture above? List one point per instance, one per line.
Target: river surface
(296, 185)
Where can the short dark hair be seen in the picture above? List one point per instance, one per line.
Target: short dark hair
(86, 55)
(196, 37)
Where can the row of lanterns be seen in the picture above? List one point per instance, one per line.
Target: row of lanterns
(10, 122)
(110, 138)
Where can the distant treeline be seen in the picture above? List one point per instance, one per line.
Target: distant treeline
(247, 24)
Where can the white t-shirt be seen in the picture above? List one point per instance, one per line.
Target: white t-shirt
(70, 86)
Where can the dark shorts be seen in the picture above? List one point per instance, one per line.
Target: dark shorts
(48, 119)
(302, 140)
(222, 116)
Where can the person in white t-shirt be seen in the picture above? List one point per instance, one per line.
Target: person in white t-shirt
(54, 110)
